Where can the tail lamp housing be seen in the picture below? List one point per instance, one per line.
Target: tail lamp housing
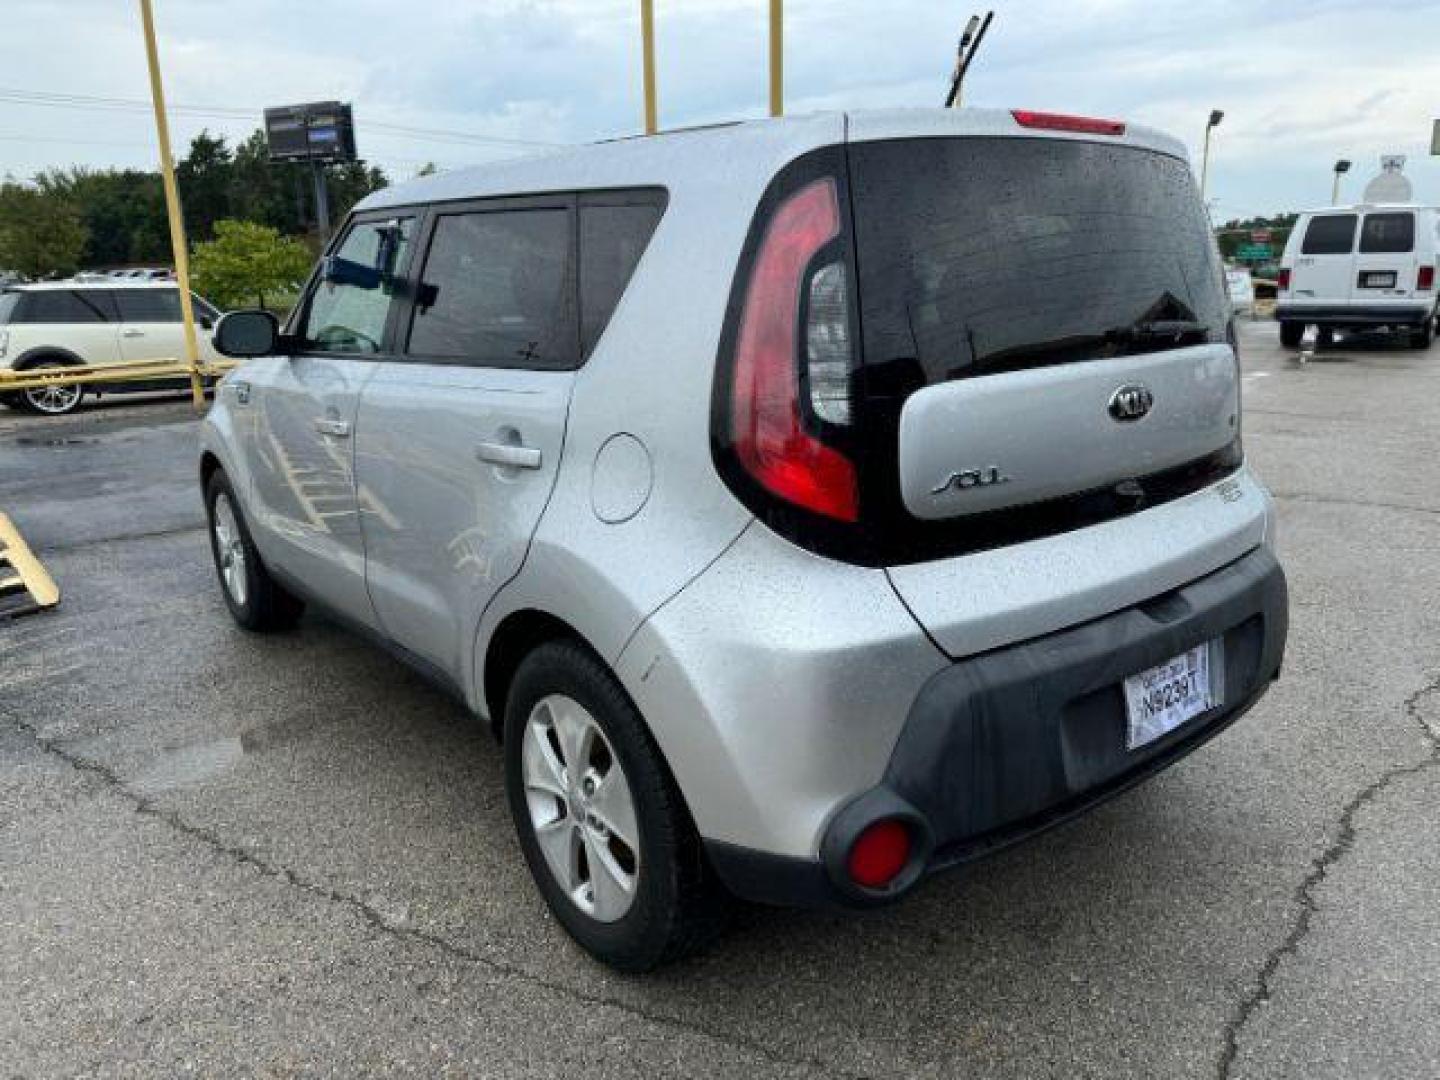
(1283, 283)
(1425, 279)
(782, 411)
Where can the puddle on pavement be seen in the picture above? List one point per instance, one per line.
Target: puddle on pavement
(190, 765)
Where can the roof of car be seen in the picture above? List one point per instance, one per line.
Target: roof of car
(720, 151)
(1354, 208)
(98, 283)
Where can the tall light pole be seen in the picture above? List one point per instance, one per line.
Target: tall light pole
(178, 250)
(1215, 117)
(777, 57)
(1341, 168)
(647, 64)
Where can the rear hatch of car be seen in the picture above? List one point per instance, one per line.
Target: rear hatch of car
(990, 353)
(1046, 320)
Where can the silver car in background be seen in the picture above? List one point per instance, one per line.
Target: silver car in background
(809, 505)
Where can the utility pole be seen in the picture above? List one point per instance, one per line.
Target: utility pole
(970, 40)
(172, 205)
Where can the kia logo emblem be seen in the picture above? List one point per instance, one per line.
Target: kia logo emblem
(1131, 402)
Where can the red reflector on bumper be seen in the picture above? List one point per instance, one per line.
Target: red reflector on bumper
(879, 854)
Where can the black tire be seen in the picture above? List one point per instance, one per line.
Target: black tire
(13, 401)
(678, 906)
(1291, 333)
(1422, 337)
(263, 605)
(59, 401)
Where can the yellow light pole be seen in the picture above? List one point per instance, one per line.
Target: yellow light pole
(777, 57)
(647, 59)
(172, 205)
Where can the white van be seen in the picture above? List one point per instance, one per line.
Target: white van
(1360, 268)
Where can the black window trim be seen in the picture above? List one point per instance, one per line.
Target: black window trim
(400, 300)
(405, 316)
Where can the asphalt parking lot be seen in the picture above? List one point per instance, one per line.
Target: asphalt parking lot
(229, 854)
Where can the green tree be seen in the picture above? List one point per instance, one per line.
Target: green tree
(41, 233)
(205, 179)
(248, 263)
(123, 212)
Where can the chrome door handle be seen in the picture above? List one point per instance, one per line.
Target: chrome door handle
(133, 333)
(515, 457)
(338, 428)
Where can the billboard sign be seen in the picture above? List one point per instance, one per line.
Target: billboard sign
(321, 131)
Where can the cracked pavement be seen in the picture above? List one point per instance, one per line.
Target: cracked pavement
(225, 854)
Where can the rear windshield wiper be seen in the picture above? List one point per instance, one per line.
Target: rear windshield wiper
(1175, 330)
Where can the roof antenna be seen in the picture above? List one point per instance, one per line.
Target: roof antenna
(969, 42)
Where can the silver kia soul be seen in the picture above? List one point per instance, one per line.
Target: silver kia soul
(809, 505)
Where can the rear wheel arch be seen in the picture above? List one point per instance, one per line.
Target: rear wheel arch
(518, 635)
(209, 466)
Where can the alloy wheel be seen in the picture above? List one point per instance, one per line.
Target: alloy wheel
(230, 550)
(581, 808)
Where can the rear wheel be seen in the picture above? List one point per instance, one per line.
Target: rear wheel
(256, 601)
(1291, 333)
(601, 822)
(1422, 336)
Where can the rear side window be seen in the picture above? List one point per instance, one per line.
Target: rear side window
(1333, 234)
(8, 303)
(985, 255)
(498, 290)
(65, 306)
(612, 239)
(149, 305)
(1387, 234)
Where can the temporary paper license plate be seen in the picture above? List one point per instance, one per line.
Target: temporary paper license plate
(1377, 279)
(1159, 700)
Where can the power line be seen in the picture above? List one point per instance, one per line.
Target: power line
(93, 103)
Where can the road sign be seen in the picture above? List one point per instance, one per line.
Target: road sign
(1255, 252)
(321, 131)
(1260, 236)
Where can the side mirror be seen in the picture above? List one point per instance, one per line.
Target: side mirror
(243, 334)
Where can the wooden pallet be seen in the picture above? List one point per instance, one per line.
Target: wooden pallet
(25, 585)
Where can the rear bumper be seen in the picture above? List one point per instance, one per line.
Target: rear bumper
(1004, 745)
(1406, 314)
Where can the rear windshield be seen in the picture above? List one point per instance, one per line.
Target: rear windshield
(1388, 233)
(983, 255)
(1333, 234)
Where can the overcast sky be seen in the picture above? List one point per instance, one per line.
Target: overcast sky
(1301, 83)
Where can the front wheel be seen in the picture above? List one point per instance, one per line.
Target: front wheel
(256, 601)
(1291, 333)
(603, 827)
(51, 400)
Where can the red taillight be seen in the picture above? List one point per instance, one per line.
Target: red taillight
(1283, 284)
(879, 854)
(1425, 281)
(766, 426)
(1087, 125)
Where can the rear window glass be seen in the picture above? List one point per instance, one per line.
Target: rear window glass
(65, 306)
(612, 239)
(983, 255)
(1333, 234)
(1381, 233)
(149, 305)
(497, 291)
